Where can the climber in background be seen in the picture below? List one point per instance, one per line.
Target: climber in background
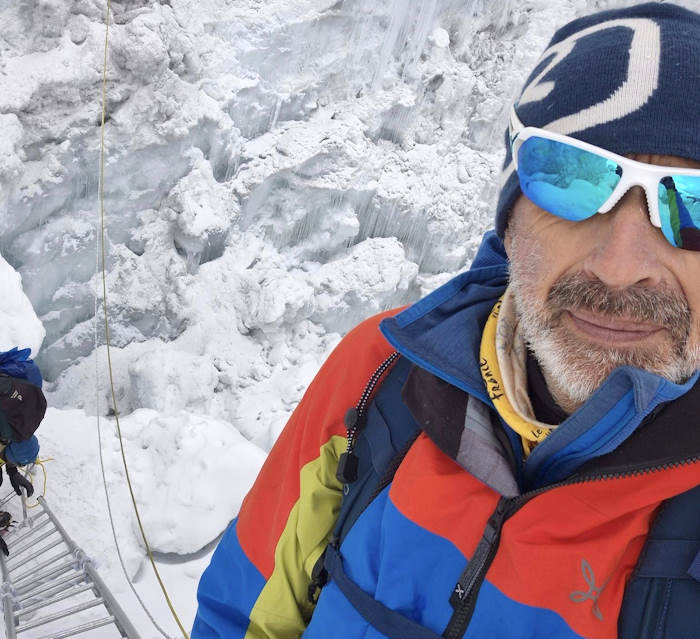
(22, 407)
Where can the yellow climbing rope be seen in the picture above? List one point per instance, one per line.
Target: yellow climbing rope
(40, 463)
(106, 327)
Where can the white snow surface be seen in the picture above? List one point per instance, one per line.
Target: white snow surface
(18, 321)
(276, 171)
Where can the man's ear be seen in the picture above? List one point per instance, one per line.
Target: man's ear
(508, 235)
(513, 223)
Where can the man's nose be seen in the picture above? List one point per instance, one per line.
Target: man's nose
(627, 248)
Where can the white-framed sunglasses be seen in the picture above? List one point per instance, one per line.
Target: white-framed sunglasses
(575, 180)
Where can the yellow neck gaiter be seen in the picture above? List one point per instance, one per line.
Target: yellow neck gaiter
(502, 362)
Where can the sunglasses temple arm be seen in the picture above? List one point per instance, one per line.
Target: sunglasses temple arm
(514, 124)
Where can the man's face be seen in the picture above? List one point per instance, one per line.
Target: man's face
(605, 292)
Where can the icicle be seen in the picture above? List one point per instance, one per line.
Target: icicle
(416, 43)
(399, 15)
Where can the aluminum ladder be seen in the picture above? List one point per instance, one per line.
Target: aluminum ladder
(49, 583)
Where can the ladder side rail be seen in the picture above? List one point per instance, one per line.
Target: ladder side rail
(23, 495)
(8, 600)
(123, 623)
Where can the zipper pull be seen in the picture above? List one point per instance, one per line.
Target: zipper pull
(348, 462)
(347, 468)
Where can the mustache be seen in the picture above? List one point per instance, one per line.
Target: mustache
(656, 305)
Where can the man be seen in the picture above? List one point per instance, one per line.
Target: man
(558, 408)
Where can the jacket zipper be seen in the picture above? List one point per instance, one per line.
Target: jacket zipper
(466, 591)
(348, 461)
(347, 468)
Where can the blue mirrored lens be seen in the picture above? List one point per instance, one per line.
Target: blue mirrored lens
(679, 209)
(565, 180)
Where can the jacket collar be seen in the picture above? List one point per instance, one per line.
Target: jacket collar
(441, 334)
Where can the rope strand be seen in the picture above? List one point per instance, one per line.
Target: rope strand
(27, 472)
(109, 360)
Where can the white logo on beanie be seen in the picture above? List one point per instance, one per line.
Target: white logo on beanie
(640, 84)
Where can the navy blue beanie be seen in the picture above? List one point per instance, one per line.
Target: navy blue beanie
(627, 80)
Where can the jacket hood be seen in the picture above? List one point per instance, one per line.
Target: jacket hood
(442, 332)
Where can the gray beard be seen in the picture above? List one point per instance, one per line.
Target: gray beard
(574, 368)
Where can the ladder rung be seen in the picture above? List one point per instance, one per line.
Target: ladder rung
(7, 497)
(25, 588)
(47, 602)
(58, 585)
(27, 533)
(71, 632)
(32, 542)
(60, 615)
(41, 566)
(35, 556)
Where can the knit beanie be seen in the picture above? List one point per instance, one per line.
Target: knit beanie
(626, 80)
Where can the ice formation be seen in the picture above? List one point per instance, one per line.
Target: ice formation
(375, 142)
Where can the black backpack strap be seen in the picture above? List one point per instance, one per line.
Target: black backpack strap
(673, 545)
(671, 559)
(387, 621)
(662, 598)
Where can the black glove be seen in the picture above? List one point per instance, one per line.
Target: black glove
(19, 481)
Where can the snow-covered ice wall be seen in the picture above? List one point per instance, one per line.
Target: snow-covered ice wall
(276, 171)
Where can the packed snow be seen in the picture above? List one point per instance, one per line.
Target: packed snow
(276, 171)
(18, 321)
